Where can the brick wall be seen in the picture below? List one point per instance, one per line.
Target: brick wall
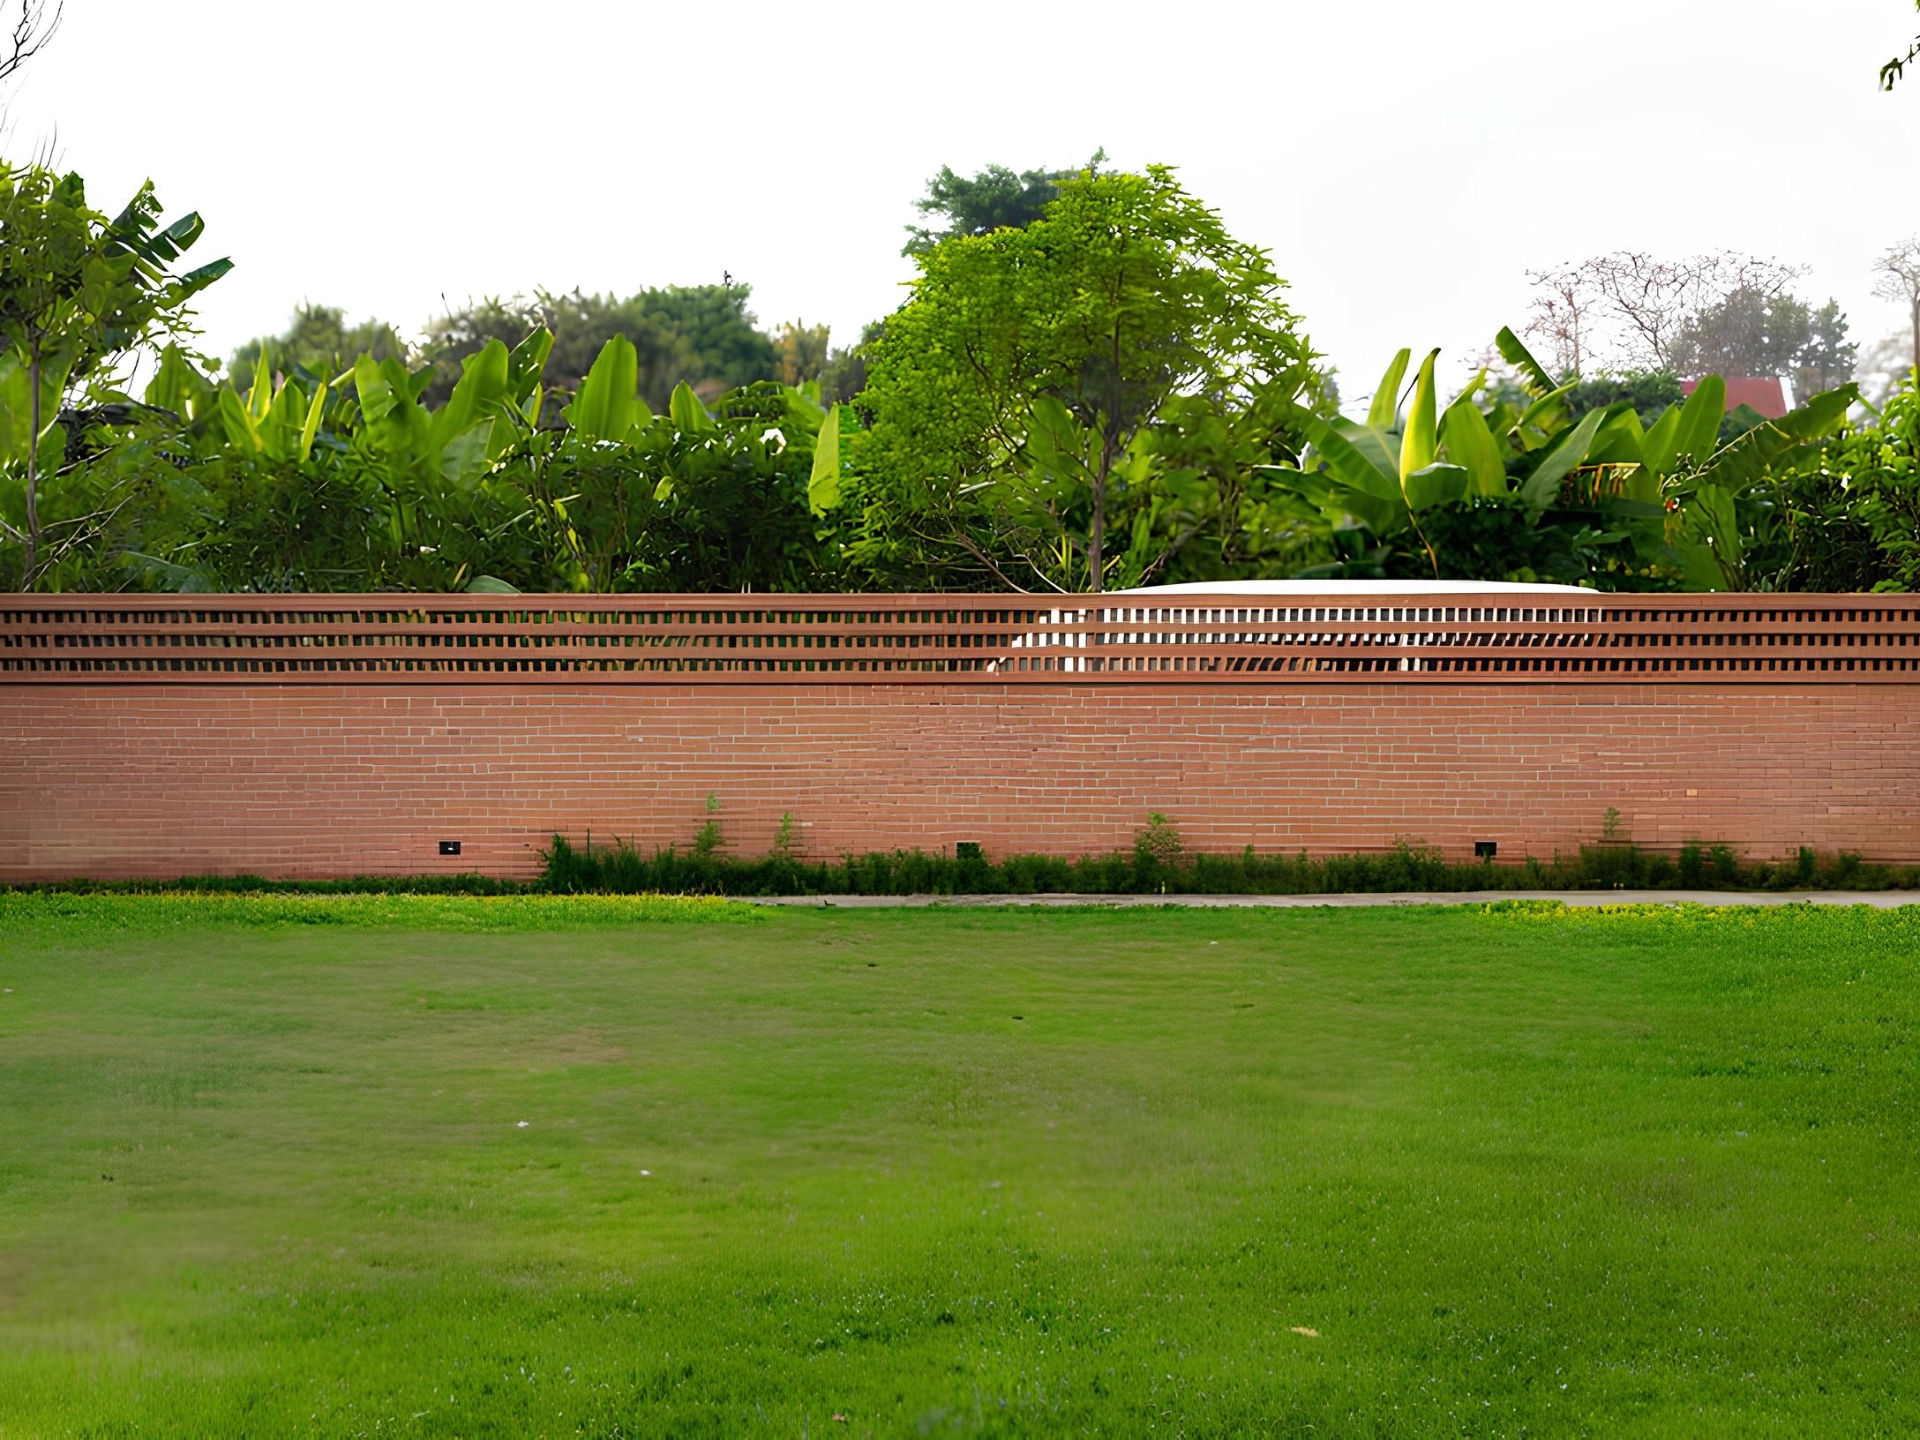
(114, 780)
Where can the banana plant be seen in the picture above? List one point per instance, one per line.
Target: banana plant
(496, 402)
(1732, 509)
(279, 425)
(607, 408)
(1385, 472)
(1619, 481)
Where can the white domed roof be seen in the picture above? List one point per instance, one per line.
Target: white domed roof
(1355, 588)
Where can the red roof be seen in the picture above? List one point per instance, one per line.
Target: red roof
(1766, 395)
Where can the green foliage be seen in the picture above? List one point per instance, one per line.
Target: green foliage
(993, 199)
(1828, 358)
(1532, 490)
(728, 351)
(700, 335)
(367, 484)
(317, 340)
(1160, 864)
(1102, 389)
(1862, 503)
(79, 295)
(1749, 332)
(845, 374)
(801, 352)
(1895, 69)
(1020, 398)
(1650, 392)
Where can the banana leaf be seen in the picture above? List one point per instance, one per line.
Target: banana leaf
(823, 484)
(603, 408)
(1420, 441)
(1384, 412)
(1470, 444)
(1542, 487)
(1699, 429)
(1437, 485)
(1539, 382)
(394, 420)
(685, 410)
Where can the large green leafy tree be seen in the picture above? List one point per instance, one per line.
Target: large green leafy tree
(729, 348)
(1754, 332)
(80, 296)
(1828, 358)
(1014, 398)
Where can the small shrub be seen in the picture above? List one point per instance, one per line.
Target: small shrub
(709, 841)
(1691, 863)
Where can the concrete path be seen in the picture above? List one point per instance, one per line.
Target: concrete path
(1879, 899)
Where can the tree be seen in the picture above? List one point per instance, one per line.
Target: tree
(1562, 301)
(1650, 392)
(993, 199)
(1749, 332)
(79, 294)
(701, 334)
(1898, 278)
(729, 349)
(845, 374)
(580, 324)
(1629, 308)
(319, 339)
(1014, 394)
(1828, 358)
(801, 351)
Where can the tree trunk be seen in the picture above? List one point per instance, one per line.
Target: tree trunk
(31, 550)
(1916, 332)
(1097, 531)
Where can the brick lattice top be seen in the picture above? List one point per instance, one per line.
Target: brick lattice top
(1185, 638)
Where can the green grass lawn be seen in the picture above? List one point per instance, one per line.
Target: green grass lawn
(280, 1166)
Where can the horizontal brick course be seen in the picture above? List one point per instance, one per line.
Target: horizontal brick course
(305, 780)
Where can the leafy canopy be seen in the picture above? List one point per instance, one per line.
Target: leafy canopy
(992, 199)
(79, 295)
(1014, 394)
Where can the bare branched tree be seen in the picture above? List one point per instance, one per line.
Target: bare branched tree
(32, 28)
(1898, 278)
(1560, 304)
(1627, 308)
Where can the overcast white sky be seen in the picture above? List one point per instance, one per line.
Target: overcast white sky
(1404, 162)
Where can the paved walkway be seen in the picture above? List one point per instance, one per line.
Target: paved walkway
(1879, 899)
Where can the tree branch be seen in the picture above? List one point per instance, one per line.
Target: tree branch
(30, 34)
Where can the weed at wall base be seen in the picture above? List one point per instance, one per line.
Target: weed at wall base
(1158, 865)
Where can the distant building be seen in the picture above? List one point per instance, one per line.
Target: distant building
(1766, 395)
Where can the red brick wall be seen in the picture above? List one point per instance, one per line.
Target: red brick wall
(114, 781)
